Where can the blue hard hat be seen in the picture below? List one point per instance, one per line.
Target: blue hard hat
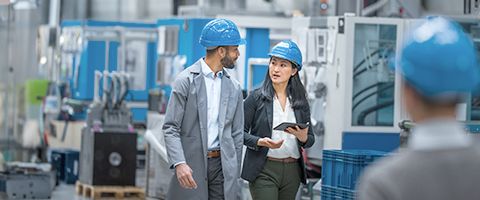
(439, 58)
(220, 32)
(288, 50)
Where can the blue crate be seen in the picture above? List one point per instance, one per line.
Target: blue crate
(71, 166)
(341, 168)
(334, 193)
(57, 159)
(66, 164)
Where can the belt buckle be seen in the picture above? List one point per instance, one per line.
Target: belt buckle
(213, 153)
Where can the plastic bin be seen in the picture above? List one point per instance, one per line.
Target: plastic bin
(71, 166)
(341, 168)
(334, 193)
(66, 163)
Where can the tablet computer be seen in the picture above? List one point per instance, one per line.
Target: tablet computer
(285, 125)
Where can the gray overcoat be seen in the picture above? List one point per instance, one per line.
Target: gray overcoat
(185, 130)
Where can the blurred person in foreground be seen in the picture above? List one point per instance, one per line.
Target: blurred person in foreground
(439, 68)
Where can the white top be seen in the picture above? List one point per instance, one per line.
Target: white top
(213, 85)
(289, 147)
(438, 134)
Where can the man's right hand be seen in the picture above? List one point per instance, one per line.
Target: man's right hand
(267, 142)
(184, 176)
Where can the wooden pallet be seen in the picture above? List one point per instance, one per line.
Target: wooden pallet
(115, 192)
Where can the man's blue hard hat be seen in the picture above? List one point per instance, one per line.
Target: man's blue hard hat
(220, 32)
(440, 59)
(288, 50)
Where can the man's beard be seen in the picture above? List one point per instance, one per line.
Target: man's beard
(227, 62)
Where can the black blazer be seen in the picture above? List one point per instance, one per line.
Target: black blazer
(258, 124)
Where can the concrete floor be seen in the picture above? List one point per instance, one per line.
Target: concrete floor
(67, 191)
(64, 191)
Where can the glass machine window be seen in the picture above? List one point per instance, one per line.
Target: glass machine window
(373, 77)
(473, 108)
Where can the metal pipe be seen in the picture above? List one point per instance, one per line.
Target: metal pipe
(54, 13)
(105, 87)
(358, 9)
(374, 7)
(123, 50)
(123, 85)
(114, 90)
(96, 85)
(105, 72)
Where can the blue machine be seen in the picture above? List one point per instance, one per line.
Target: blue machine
(138, 59)
(258, 46)
(187, 33)
(178, 48)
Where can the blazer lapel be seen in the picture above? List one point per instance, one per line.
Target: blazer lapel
(298, 116)
(269, 110)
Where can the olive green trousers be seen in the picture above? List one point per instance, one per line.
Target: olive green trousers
(276, 181)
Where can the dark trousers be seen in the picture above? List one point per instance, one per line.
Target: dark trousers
(215, 179)
(276, 181)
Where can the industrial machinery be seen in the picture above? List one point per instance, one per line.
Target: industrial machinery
(109, 142)
(27, 181)
(177, 48)
(470, 110)
(351, 83)
(315, 37)
(113, 46)
(353, 93)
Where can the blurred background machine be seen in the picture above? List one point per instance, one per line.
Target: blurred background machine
(109, 142)
(57, 50)
(22, 180)
(123, 47)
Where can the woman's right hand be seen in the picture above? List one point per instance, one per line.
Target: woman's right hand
(267, 142)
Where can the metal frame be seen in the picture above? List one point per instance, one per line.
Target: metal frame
(251, 63)
(350, 34)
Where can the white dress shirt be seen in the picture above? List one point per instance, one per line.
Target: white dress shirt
(213, 85)
(289, 147)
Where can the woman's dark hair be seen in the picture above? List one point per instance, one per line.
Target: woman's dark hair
(296, 93)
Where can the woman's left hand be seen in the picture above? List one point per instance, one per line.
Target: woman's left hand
(301, 134)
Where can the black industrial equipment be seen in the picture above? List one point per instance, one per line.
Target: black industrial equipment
(108, 157)
(109, 142)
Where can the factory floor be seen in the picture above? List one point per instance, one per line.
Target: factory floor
(67, 191)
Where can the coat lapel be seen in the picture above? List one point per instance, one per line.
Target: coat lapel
(201, 95)
(226, 89)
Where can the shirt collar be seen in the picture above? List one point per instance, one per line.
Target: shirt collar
(439, 134)
(208, 72)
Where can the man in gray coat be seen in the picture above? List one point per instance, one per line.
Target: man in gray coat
(439, 67)
(204, 121)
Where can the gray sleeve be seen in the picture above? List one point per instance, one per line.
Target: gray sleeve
(370, 186)
(173, 121)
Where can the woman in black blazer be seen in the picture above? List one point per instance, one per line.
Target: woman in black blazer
(273, 162)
